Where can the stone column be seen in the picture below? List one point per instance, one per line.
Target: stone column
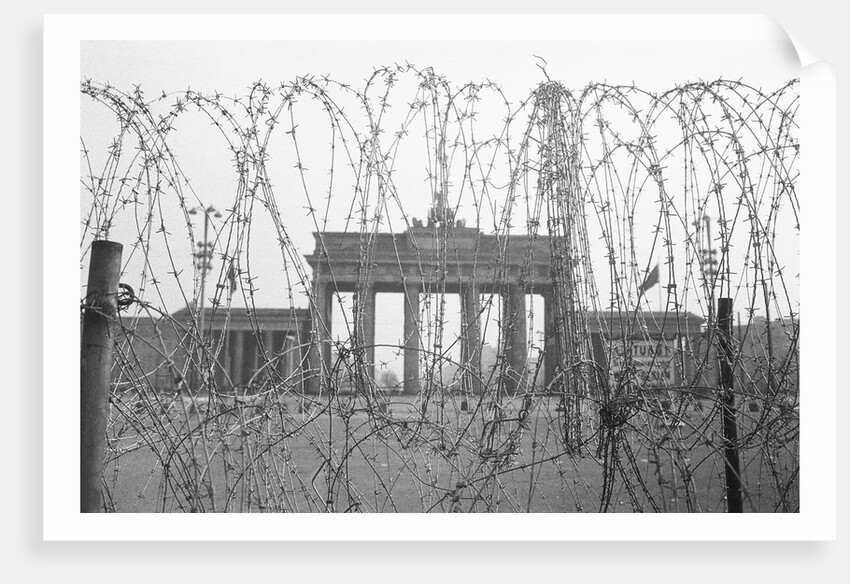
(224, 362)
(412, 343)
(514, 335)
(268, 353)
(290, 350)
(552, 358)
(320, 342)
(470, 342)
(305, 350)
(597, 343)
(237, 363)
(369, 298)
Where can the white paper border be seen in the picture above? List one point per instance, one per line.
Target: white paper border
(62, 521)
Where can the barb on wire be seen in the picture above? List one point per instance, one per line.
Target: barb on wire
(527, 239)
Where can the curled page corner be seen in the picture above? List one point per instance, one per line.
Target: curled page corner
(805, 56)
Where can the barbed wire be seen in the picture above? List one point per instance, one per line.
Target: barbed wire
(615, 182)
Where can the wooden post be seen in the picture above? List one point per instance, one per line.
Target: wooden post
(101, 307)
(734, 499)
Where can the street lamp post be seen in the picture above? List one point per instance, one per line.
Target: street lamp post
(708, 262)
(203, 263)
(708, 259)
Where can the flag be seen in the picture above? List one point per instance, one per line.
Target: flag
(651, 279)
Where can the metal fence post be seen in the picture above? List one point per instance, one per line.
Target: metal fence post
(101, 307)
(734, 500)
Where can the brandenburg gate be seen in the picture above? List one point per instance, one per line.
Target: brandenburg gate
(443, 256)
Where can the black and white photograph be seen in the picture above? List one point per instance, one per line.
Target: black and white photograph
(321, 276)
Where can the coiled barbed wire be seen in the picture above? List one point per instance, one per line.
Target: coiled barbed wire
(609, 176)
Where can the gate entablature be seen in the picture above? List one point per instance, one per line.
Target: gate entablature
(417, 255)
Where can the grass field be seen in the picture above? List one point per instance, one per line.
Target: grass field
(353, 454)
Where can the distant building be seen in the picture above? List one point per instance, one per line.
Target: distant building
(270, 348)
(272, 345)
(244, 349)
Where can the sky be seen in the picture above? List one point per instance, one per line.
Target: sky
(230, 67)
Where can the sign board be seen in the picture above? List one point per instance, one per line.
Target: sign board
(653, 360)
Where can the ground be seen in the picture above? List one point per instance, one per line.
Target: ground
(272, 453)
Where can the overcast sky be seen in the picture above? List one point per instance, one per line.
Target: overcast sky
(231, 67)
